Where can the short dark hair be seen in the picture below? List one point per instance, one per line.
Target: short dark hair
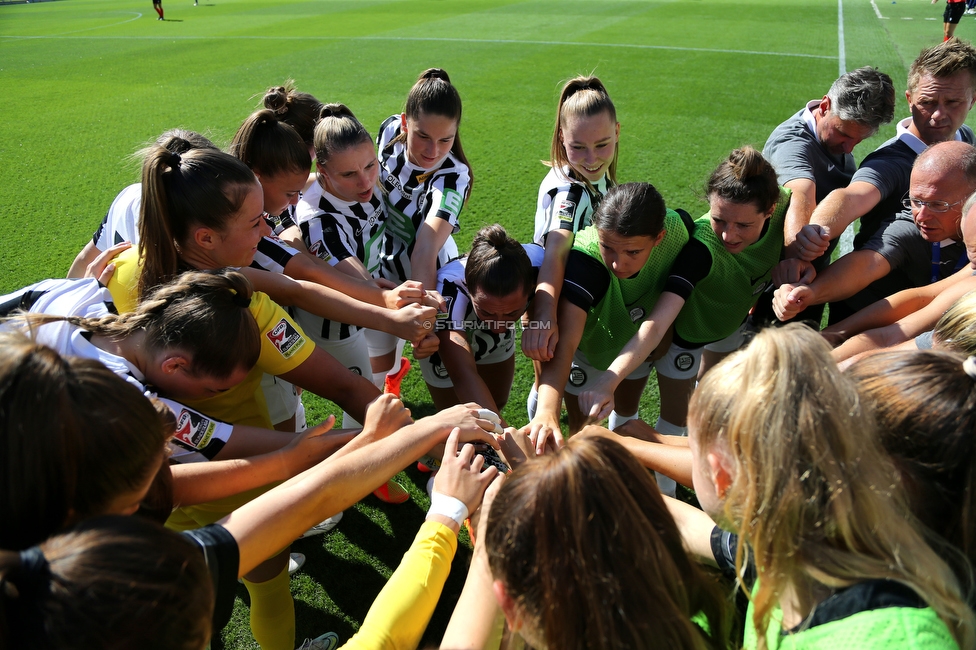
(865, 96)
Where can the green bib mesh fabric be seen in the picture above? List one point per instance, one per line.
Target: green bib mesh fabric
(877, 629)
(723, 298)
(617, 317)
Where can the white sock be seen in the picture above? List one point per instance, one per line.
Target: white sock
(616, 419)
(532, 403)
(398, 354)
(300, 422)
(349, 423)
(666, 428)
(667, 484)
(379, 379)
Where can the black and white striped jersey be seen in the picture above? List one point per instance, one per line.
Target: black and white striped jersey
(565, 204)
(461, 315)
(273, 254)
(121, 222)
(413, 195)
(334, 230)
(197, 438)
(342, 229)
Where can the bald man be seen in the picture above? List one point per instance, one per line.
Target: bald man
(920, 245)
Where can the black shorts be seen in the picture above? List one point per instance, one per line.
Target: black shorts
(953, 12)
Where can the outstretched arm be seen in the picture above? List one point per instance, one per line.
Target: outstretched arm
(539, 344)
(596, 403)
(411, 322)
(840, 280)
(279, 516)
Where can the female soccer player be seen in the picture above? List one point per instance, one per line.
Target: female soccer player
(425, 179)
(716, 280)
(616, 272)
(583, 162)
(786, 458)
(487, 292)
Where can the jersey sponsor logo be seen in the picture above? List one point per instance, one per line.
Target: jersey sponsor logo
(286, 339)
(400, 225)
(370, 221)
(566, 211)
(193, 430)
(452, 202)
(637, 314)
(577, 376)
(393, 183)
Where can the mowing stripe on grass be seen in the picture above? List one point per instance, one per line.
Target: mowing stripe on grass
(431, 39)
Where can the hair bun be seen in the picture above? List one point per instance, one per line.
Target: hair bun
(276, 99)
(335, 110)
(434, 73)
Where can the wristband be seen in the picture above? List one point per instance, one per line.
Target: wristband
(448, 506)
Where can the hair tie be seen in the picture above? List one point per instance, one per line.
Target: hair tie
(241, 301)
(969, 365)
(175, 159)
(36, 575)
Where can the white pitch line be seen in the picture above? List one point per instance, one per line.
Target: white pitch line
(445, 40)
(841, 50)
(88, 29)
(846, 244)
(877, 11)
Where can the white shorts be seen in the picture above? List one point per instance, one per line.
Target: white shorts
(282, 398)
(683, 363)
(352, 352)
(380, 343)
(495, 350)
(582, 374)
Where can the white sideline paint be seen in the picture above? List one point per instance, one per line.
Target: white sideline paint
(88, 29)
(427, 39)
(846, 244)
(878, 11)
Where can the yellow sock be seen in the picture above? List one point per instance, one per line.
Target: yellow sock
(273, 612)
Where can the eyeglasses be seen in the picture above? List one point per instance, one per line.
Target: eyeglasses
(934, 206)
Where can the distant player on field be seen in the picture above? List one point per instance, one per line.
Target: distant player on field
(158, 6)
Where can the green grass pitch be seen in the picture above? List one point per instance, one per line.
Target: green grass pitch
(87, 82)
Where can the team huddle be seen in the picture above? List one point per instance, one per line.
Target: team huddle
(162, 379)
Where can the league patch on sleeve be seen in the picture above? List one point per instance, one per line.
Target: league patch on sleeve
(286, 339)
(319, 250)
(566, 210)
(193, 430)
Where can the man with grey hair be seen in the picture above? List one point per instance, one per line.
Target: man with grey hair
(811, 151)
(941, 90)
(922, 244)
